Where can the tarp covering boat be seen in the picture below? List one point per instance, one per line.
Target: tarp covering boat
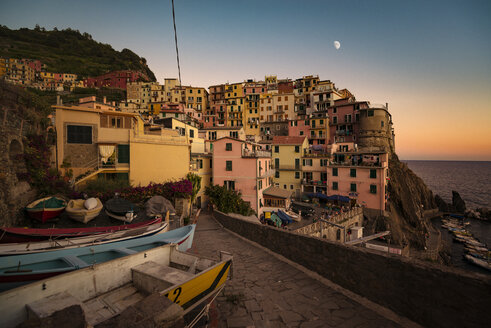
(284, 217)
(318, 195)
(275, 218)
(119, 206)
(158, 205)
(339, 198)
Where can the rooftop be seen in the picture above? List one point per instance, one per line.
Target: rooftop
(277, 192)
(288, 140)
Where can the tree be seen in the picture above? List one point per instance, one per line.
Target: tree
(196, 182)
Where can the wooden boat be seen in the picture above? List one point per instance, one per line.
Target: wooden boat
(293, 215)
(19, 235)
(104, 291)
(120, 209)
(482, 263)
(77, 211)
(90, 240)
(22, 269)
(46, 208)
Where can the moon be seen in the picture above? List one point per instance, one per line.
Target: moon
(337, 45)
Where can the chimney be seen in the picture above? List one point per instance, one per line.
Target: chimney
(104, 100)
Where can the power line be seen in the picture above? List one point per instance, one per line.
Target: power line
(177, 49)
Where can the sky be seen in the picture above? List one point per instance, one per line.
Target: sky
(429, 60)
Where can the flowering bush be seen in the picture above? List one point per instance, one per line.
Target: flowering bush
(139, 195)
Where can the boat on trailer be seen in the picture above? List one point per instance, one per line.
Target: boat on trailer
(17, 270)
(19, 235)
(105, 291)
(91, 240)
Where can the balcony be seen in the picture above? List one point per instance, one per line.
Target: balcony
(311, 182)
(194, 166)
(284, 167)
(316, 153)
(355, 164)
(266, 174)
(255, 153)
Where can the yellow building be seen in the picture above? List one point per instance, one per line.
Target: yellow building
(196, 98)
(251, 115)
(287, 158)
(3, 67)
(186, 130)
(306, 84)
(319, 128)
(169, 84)
(114, 145)
(234, 96)
(201, 164)
(19, 72)
(178, 95)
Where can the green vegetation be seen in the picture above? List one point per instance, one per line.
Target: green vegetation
(196, 182)
(69, 51)
(105, 186)
(228, 201)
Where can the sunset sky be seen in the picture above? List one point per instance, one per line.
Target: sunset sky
(430, 60)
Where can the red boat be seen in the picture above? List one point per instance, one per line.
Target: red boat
(22, 235)
(46, 208)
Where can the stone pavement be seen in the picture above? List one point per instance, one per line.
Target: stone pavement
(268, 292)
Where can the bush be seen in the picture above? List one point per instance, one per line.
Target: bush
(228, 201)
(105, 186)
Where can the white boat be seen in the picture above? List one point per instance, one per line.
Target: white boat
(479, 262)
(104, 291)
(293, 215)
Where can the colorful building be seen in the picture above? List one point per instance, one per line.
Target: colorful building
(169, 84)
(196, 98)
(217, 113)
(298, 127)
(113, 145)
(315, 161)
(287, 155)
(234, 96)
(244, 167)
(360, 175)
(116, 79)
(252, 92)
(344, 119)
(319, 128)
(202, 165)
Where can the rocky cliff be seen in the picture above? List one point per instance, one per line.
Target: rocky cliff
(409, 200)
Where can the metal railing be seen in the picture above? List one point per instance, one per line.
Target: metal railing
(255, 153)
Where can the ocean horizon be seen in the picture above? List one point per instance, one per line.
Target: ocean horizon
(471, 179)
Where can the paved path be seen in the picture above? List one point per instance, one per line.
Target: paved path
(268, 292)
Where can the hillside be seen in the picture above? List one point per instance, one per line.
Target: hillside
(69, 51)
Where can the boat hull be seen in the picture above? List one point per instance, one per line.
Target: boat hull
(22, 235)
(44, 214)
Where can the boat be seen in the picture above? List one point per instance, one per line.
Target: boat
(120, 209)
(293, 215)
(20, 235)
(78, 211)
(284, 218)
(22, 269)
(90, 240)
(46, 208)
(482, 263)
(104, 291)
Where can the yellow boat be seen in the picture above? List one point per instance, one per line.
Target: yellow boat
(77, 211)
(104, 292)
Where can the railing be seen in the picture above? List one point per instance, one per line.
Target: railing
(255, 153)
(289, 167)
(350, 163)
(311, 182)
(311, 153)
(266, 174)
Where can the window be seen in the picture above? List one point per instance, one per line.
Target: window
(284, 186)
(297, 149)
(334, 119)
(373, 189)
(297, 163)
(382, 124)
(277, 174)
(277, 163)
(276, 149)
(321, 122)
(191, 133)
(116, 122)
(370, 113)
(211, 163)
(228, 166)
(228, 146)
(260, 183)
(373, 173)
(291, 187)
(123, 153)
(352, 173)
(77, 134)
(297, 175)
(353, 187)
(334, 186)
(230, 185)
(334, 171)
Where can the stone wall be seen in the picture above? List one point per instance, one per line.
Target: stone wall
(429, 294)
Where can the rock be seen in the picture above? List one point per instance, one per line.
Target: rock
(457, 202)
(473, 214)
(484, 212)
(443, 206)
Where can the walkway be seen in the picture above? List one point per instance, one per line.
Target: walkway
(267, 292)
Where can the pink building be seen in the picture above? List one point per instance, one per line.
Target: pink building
(298, 128)
(243, 166)
(361, 176)
(116, 79)
(344, 120)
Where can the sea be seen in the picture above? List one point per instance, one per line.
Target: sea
(472, 180)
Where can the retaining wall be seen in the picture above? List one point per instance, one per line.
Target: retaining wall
(429, 294)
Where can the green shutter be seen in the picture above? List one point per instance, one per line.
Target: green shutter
(124, 154)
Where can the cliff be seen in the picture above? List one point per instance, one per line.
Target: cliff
(69, 51)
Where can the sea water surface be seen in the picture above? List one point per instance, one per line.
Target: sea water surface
(473, 182)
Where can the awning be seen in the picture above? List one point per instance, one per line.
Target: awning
(339, 198)
(318, 195)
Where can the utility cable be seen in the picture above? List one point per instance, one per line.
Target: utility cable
(177, 48)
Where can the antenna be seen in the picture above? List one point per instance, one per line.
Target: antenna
(175, 37)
